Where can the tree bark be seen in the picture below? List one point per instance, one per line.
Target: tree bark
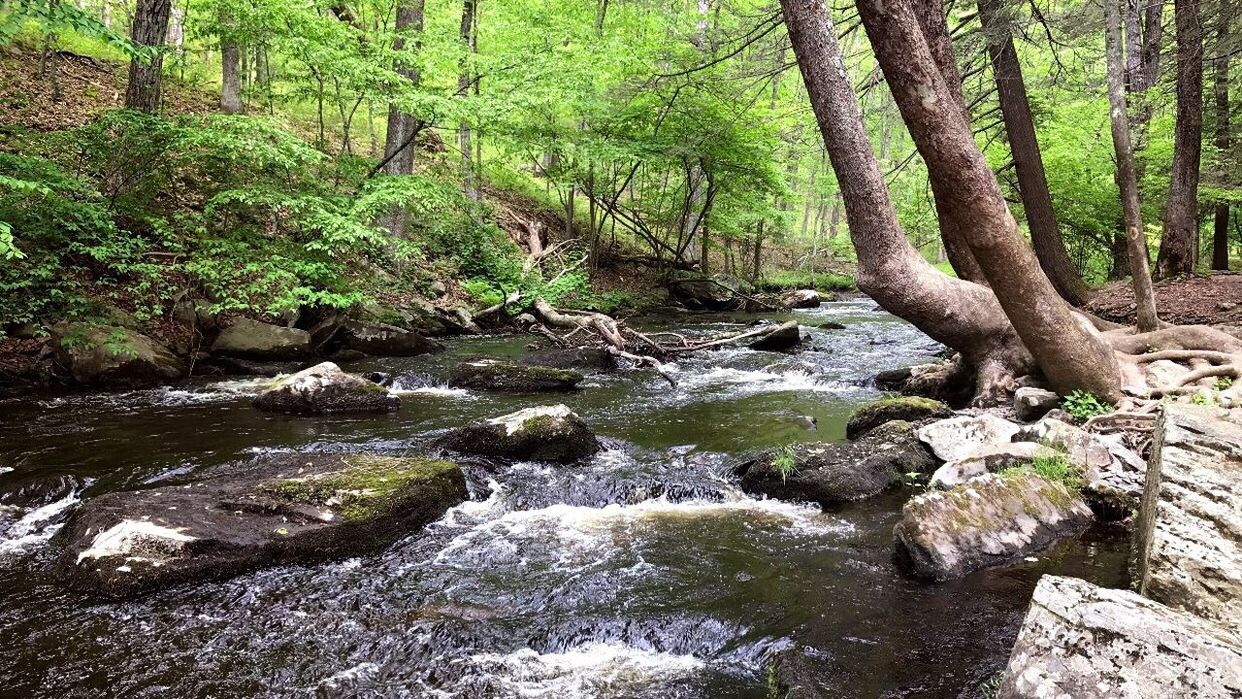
(931, 18)
(1127, 181)
(150, 28)
(1067, 351)
(230, 67)
(1220, 224)
(1029, 163)
(958, 313)
(398, 145)
(467, 35)
(1179, 244)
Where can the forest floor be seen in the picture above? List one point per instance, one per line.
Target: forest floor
(1210, 300)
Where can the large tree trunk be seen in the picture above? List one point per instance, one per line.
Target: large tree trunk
(150, 28)
(1220, 227)
(1066, 350)
(1127, 181)
(1023, 144)
(958, 313)
(932, 19)
(398, 144)
(1179, 244)
(230, 68)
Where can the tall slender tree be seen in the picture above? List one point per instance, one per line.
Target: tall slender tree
(398, 144)
(1220, 223)
(150, 28)
(1029, 163)
(464, 79)
(1179, 245)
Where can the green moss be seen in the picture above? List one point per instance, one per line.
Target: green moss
(365, 487)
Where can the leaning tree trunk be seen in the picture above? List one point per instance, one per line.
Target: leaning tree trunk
(1066, 349)
(958, 313)
(1127, 180)
(150, 28)
(1023, 144)
(1179, 244)
(398, 145)
(932, 18)
(230, 74)
(1220, 224)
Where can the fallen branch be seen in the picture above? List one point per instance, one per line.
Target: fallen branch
(645, 359)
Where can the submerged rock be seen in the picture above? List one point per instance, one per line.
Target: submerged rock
(1030, 403)
(1189, 538)
(1088, 642)
(595, 359)
(386, 340)
(283, 509)
(959, 437)
(113, 356)
(831, 473)
(253, 339)
(990, 521)
(908, 408)
(546, 433)
(492, 375)
(324, 388)
(785, 336)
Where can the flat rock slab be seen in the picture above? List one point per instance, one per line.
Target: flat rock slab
(959, 437)
(990, 459)
(511, 377)
(323, 389)
(545, 433)
(832, 473)
(1080, 641)
(992, 520)
(1189, 537)
(282, 509)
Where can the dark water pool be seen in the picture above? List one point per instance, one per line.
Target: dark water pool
(643, 573)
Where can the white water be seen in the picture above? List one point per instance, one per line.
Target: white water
(36, 526)
(591, 670)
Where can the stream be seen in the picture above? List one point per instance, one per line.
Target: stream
(643, 572)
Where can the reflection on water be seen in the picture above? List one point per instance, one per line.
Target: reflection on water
(641, 573)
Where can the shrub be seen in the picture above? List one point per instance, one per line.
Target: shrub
(1083, 406)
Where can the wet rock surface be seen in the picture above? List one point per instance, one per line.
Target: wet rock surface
(386, 340)
(1189, 537)
(907, 408)
(252, 339)
(588, 359)
(113, 356)
(283, 509)
(992, 520)
(1087, 642)
(801, 298)
(831, 473)
(324, 388)
(782, 338)
(546, 433)
(511, 377)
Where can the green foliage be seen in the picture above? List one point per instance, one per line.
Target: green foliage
(1082, 406)
(1054, 466)
(785, 462)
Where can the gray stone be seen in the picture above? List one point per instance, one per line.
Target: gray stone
(253, 339)
(699, 293)
(1189, 537)
(281, 509)
(801, 298)
(386, 340)
(1109, 468)
(594, 359)
(783, 337)
(1031, 403)
(113, 356)
(959, 437)
(545, 433)
(992, 520)
(989, 459)
(908, 408)
(1080, 641)
(492, 375)
(324, 388)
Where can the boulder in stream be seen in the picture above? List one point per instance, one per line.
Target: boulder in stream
(324, 388)
(782, 338)
(831, 473)
(252, 339)
(1189, 538)
(801, 298)
(590, 359)
(908, 408)
(992, 520)
(699, 293)
(494, 375)
(113, 356)
(546, 433)
(386, 340)
(281, 509)
(1089, 642)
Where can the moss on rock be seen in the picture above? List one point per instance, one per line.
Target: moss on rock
(367, 486)
(906, 408)
(491, 375)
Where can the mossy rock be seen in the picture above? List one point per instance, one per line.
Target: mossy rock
(113, 356)
(322, 389)
(511, 377)
(280, 509)
(907, 408)
(547, 433)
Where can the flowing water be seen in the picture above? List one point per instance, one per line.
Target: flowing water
(642, 573)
